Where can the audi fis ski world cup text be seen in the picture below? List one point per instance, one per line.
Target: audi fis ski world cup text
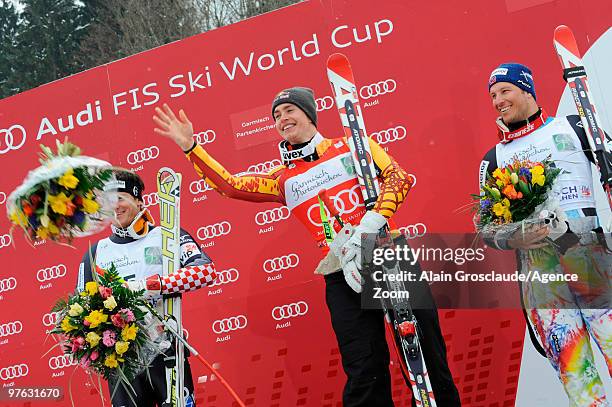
(14, 136)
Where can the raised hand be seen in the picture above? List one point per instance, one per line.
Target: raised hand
(178, 129)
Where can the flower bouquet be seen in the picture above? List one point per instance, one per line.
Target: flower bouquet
(105, 328)
(516, 193)
(63, 198)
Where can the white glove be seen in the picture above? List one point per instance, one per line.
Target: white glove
(556, 221)
(350, 254)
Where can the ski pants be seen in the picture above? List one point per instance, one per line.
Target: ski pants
(153, 393)
(363, 348)
(566, 314)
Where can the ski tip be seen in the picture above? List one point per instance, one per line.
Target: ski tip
(564, 37)
(336, 57)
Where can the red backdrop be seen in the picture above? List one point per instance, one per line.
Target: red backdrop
(422, 68)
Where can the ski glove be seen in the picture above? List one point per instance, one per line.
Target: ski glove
(183, 280)
(351, 273)
(350, 253)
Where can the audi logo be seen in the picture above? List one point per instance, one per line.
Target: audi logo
(61, 361)
(150, 199)
(413, 231)
(50, 319)
(10, 137)
(286, 311)
(205, 137)
(214, 230)
(50, 273)
(281, 263)
(272, 215)
(10, 328)
(324, 103)
(225, 277)
(15, 371)
(5, 240)
(2, 198)
(264, 167)
(8, 284)
(199, 186)
(352, 196)
(389, 135)
(146, 154)
(377, 89)
(226, 325)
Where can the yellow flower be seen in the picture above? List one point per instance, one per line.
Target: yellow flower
(67, 326)
(68, 180)
(91, 288)
(503, 209)
(42, 232)
(110, 303)
(53, 229)
(95, 318)
(60, 203)
(19, 218)
(537, 175)
(129, 332)
(89, 205)
(93, 339)
(111, 361)
(121, 347)
(503, 177)
(75, 310)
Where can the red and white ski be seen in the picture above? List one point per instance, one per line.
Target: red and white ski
(399, 316)
(575, 75)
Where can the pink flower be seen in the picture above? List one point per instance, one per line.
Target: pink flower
(109, 338)
(118, 320)
(128, 315)
(105, 292)
(85, 362)
(94, 355)
(78, 343)
(86, 322)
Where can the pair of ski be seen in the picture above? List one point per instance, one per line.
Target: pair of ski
(400, 319)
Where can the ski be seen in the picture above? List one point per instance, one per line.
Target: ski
(398, 311)
(575, 75)
(169, 191)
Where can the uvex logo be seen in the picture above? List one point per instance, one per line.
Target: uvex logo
(290, 155)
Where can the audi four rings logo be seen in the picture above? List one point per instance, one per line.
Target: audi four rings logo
(61, 361)
(264, 167)
(281, 263)
(199, 186)
(140, 156)
(10, 328)
(2, 198)
(225, 277)
(272, 215)
(352, 198)
(226, 325)
(14, 372)
(214, 230)
(286, 311)
(324, 103)
(5, 240)
(377, 89)
(413, 231)
(150, 199)
(14, 138)
(8, 284)
(205, 137)
(389, 135)
(50, 319)
(50, 273)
